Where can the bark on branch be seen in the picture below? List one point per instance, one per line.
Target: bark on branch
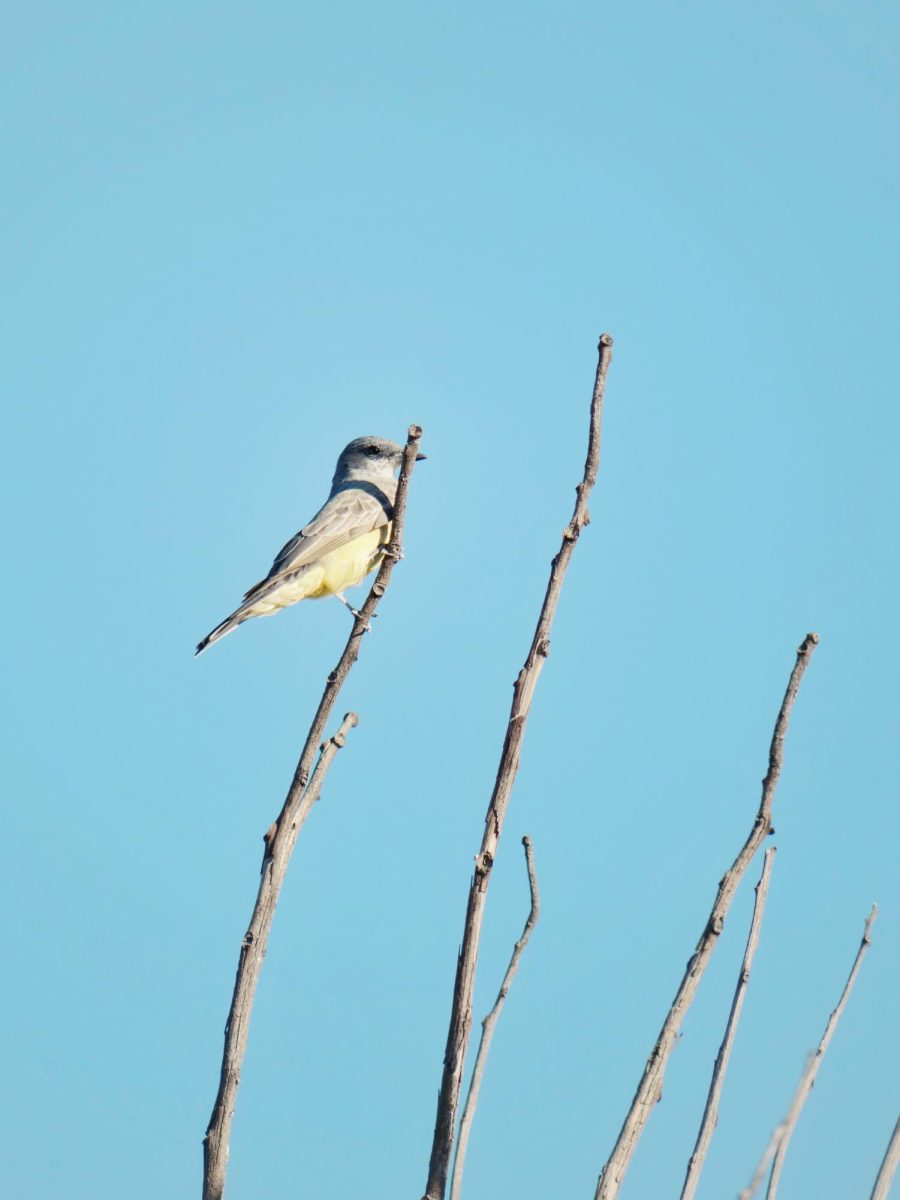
(889, 1165)
(279, 844)
(523, 692)
(489, 1024)
(711, 1112)
(649, 1089)
(812, 1067)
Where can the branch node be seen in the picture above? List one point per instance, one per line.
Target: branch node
(483, 862)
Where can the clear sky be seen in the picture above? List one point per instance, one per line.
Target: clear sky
(236, 236)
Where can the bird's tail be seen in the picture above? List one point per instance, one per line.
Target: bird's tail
(232, 622)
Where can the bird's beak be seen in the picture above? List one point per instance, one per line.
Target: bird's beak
(421, 457)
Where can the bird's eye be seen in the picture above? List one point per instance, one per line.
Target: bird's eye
(371, 451)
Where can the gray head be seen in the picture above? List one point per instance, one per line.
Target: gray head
(371, 458)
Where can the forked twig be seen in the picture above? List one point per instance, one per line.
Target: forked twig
(489, 1024)
(649, 1089)
(711, 1112)
(768, 1154)
(523, 693)
(812, 1067)
(279, 844)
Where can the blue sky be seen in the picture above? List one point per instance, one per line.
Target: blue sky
(235, 237)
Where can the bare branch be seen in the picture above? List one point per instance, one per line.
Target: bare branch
(812, 1067)
(279, 844)
(889, 1165)
(649, 1089)
(762, 1166)
(523, 693)
(488, 1025)
(711, 1112)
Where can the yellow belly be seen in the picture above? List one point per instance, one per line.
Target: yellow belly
(350, 564)
(342, 568)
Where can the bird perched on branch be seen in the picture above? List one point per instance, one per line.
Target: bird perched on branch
(343, 543)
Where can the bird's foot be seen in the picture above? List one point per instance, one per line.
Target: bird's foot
(357, 613)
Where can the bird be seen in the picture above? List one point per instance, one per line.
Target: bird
(343, 543)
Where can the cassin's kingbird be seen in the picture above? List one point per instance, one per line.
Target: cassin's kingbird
(343, 542)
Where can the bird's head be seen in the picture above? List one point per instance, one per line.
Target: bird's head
(369, 458)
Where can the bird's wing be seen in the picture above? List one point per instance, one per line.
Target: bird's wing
(348, 514)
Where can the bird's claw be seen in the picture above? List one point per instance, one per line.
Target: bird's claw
(357, 613)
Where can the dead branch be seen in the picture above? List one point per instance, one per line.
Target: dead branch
(279, 844)
(809, 1075)
(488, 1025)
(711, 1112)
(889, 1165)
(762, 1166)
(768, 1154)
(523, 693)
(649, 1089)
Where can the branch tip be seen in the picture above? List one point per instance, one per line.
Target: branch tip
(780, 1140)
(489, 1023)
(870, 921)
(720, 1067)
(523, 693)
(650, 1086)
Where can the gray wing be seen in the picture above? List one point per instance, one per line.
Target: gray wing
(346, 515)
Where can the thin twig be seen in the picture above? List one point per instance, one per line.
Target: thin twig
(762, 1166)
(279, 844)
(523, 692)
(768, 1154)
(812, 1068)
(488, 1025)
(889, 1165)
(711, 1112)
(649, 1089)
